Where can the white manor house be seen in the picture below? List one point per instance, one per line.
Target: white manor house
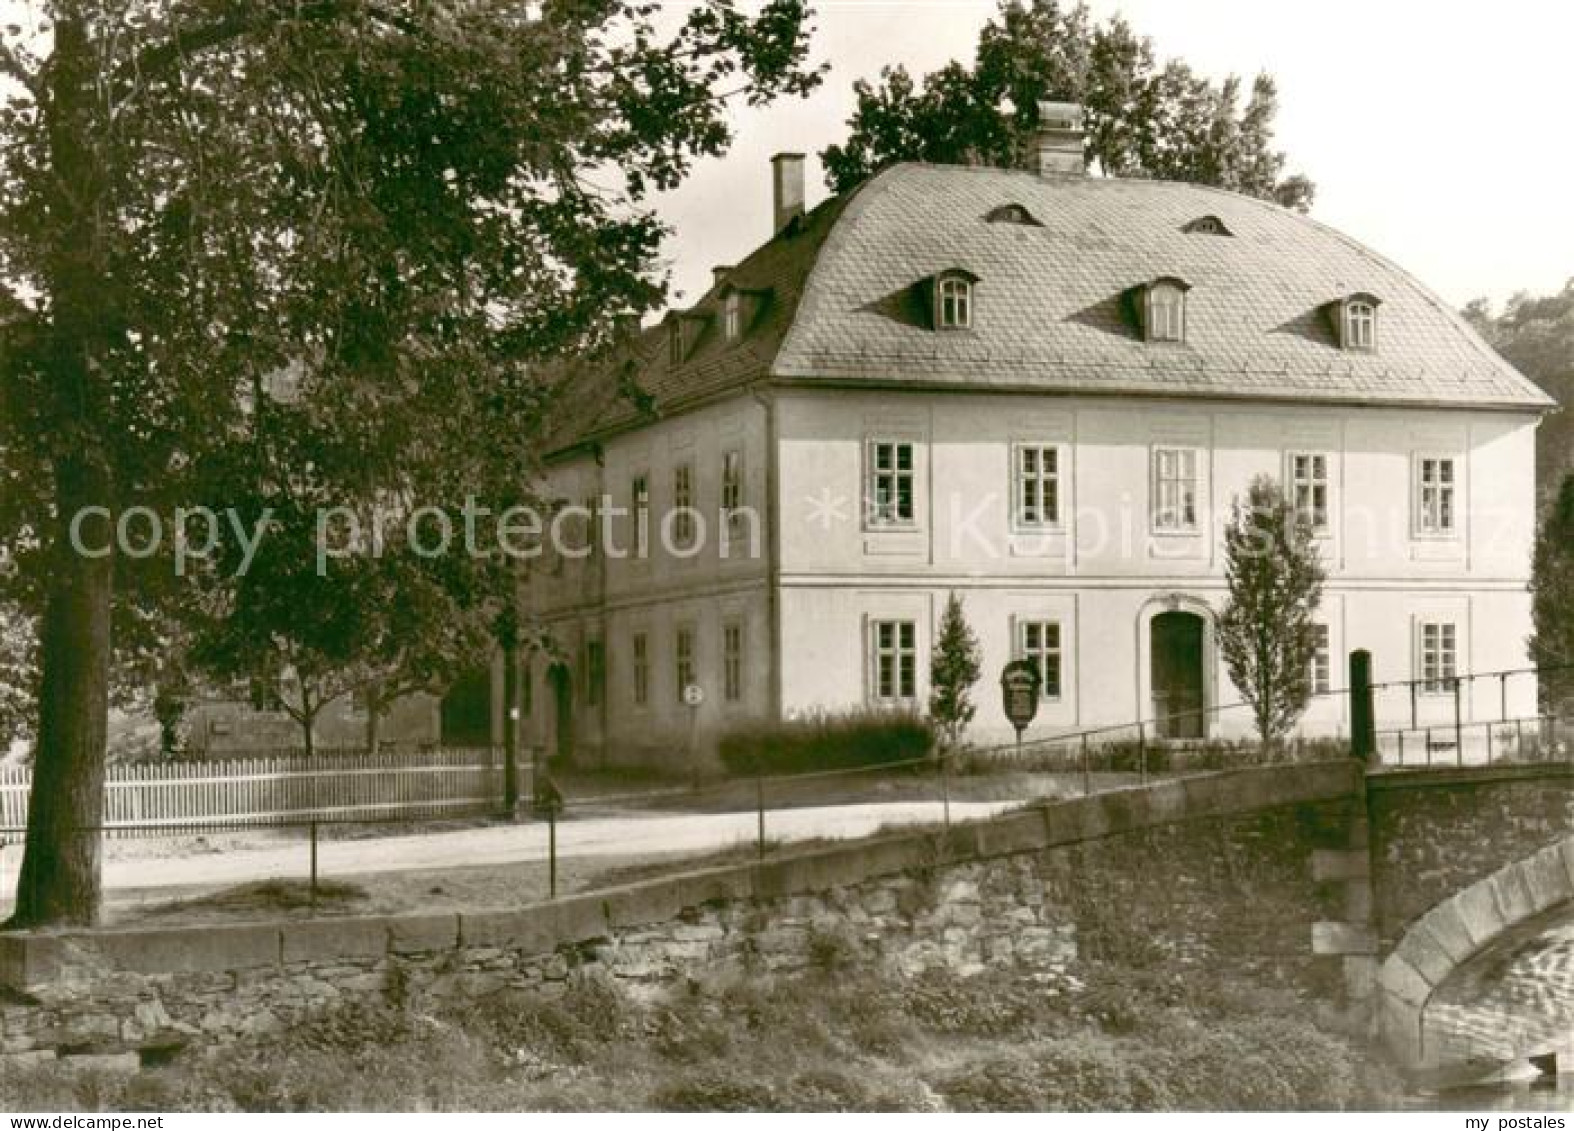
(1040, 391)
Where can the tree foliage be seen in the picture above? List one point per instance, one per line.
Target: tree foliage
(1552, 598)
(1274, 581)
(1144, 119)
(953, 671)
(402, 206)
(1537, 336)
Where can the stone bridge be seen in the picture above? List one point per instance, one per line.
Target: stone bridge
(1406, 897)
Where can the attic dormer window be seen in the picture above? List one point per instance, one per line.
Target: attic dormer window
(1207, 226)
(732, 316)
(1164, 311)
(675, 342)
(1012, 214)
(953, 302)
(1360, 325)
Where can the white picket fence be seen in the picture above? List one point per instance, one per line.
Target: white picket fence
(289, 789)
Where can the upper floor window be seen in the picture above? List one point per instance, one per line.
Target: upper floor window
(1435, 486)
(732, 316)
(1038, 641)
(732, 661)
(1175, 489)
(1321, 674)
(1161, 308)
(953, 303)
(889, 488)
(732, 493)
(1439, 655)
(639, 653)
(895, 666)
(1038, 485)
(1309, 488)
(639, 508)
(683, 505)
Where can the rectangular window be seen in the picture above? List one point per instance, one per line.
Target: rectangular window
(1038, 485)
(895, 644)
(732, 316)
(1435, 483)
(1175, 489)
(595, 673)
(732, 661)
(1309, 488)
(1039, 642)
(732, 492)
(683, 659)
(890, 483)
(639, 510)
(639, 652)
(1322, 660)
(1439, 653)
(683, 506)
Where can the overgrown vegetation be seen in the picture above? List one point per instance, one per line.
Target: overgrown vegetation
(842, 1037)
(826, 741)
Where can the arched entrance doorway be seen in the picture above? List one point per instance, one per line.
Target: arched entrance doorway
(1178, 674)
(562, 684)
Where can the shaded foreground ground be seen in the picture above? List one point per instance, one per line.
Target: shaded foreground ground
(843, 1036)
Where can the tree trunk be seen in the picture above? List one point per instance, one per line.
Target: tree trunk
(374, 717)
(59, 881)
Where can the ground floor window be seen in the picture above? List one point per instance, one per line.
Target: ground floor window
(1038, 641)
(1322, 660)
(683, 659)
(732, 661)
(639, 651)
(1439, 656)
(895, 644)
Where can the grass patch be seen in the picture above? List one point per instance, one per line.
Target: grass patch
(265, 898)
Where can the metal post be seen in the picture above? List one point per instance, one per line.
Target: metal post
(1087, 780)
(759, 809)
(1502, 694)
(1489, 743)
(1428, 746)
(552, 852)
(1415, 719)
(511, 728)
(945, 781)
(1459, 727)
(313, 896)
(1401, 733)
(1142, 753)
(1519, 739)
(1363, 717)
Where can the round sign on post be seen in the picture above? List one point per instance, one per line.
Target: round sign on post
(1019, 688)
(693, 695)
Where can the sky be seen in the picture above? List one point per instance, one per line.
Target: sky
(1437, 133)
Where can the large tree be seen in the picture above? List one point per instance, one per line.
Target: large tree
(1144, 119)
(1552, 599)
(1536, 334)
(1266, 631)
(400, 202)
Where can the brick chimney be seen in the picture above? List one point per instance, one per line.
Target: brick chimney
(1060, 140)
(719, 273)
(786, 190)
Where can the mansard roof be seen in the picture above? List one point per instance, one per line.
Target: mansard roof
(839, 286)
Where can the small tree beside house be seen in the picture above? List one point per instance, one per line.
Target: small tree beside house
(953, 671)
(1552, 601)
(1266, 632)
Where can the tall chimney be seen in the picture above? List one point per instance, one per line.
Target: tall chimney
(1060, 140)
(786, 190)
(719, 273)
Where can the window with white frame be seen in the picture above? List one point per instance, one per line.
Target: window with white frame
(639, 659)
(890, 483)
(732, 491)
(732, 661)
(732, 316)
(953, 303)
(1360, 325)
(1435, 486)
(895, 660)
(1166, 313)
(683, 505)
(1038, 642)
(1309, 488)
(1322, 661)
(639, 512)
(1038, 485)
(683, 659)
(1439, 656)
(1175, 489)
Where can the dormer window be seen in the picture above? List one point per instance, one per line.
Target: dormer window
(953, 302)
(675, 341)
(1164, 310)
(1353, 320)
(1012, 214)
(1207, 226)
(732, 316)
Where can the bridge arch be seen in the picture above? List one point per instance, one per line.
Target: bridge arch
(1453, 933)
